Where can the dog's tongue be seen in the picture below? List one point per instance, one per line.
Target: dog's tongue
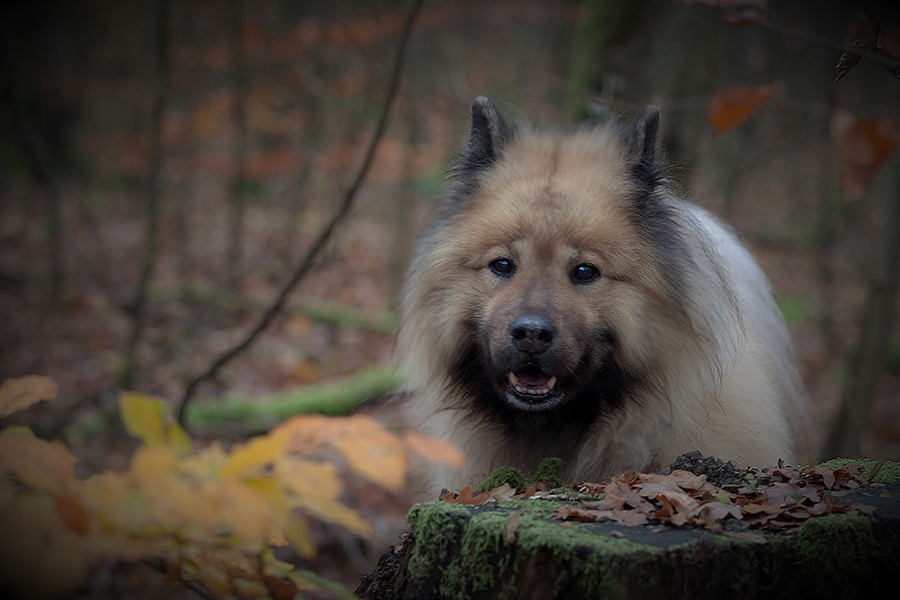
(532, 381)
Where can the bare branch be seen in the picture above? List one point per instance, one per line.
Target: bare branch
(319, 243)
(161, 39)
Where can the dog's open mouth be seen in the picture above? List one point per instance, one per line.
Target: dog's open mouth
(532, 386)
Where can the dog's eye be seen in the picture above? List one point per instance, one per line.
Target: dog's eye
(584, 274)
(503, 266)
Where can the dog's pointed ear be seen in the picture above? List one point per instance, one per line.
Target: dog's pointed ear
(643, 146)
(488, 135)
(646, 139)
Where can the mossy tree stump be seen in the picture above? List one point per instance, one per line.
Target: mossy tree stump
(517, 550)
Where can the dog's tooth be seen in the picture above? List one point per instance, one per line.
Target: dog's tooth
(513, 380)
(551, 382)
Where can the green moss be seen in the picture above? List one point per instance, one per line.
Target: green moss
(589, 558)
(841, 546)
(550, 471)
(888, 473)
(509, 475)
(486, 556)
(439, 525)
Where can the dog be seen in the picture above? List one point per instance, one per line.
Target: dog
(565, 302)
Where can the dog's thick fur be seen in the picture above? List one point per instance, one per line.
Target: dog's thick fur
(566, 303)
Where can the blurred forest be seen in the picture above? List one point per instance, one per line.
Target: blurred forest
(160, 185)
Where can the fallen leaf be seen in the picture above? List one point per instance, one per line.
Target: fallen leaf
(311, 479)
(36, 463)
(254, 455)
(22, 392)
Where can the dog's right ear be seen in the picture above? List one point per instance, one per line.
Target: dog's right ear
(488, 134)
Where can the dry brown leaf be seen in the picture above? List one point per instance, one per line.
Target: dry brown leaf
(501, 493)
(711, 514)
(687, 480)
(678, 507)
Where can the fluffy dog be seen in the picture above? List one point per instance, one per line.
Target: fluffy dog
(565, 302)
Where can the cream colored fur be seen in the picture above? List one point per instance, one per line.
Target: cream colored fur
(724, 377)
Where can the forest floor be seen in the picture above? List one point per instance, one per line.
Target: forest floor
(193, 314)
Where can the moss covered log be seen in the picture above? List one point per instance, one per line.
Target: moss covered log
(517, 550)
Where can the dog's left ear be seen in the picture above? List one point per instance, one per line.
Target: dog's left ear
(646, 139)
(488, 134)
(642, 144)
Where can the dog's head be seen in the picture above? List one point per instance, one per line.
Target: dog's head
(555, 272)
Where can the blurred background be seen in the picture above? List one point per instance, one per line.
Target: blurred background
(160, 185)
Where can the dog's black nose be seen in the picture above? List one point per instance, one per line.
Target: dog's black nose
(532, 334)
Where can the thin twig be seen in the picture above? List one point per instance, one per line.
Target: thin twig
(320, 242)
(239, 147)
(818, 41)
(126, 375)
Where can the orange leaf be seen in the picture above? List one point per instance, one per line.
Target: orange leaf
(861, 147)
(433, 449)
(731, 107)
(19, 394)
(74, 514)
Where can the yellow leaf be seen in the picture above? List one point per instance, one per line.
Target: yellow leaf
(309, 478)
(175, 505)
(256, 453)
(38, 464)
(276, 538)
(152, 462)
(372, 452)
(334, 512)
(271, 490)
(296, 530)
(207, 463)
(433, 449)
(118, 506)
(19, 394)
(241, 508)
(177, 438)
(369, 449)
(143, 417)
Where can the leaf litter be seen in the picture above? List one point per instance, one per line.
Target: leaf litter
(777, 499)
